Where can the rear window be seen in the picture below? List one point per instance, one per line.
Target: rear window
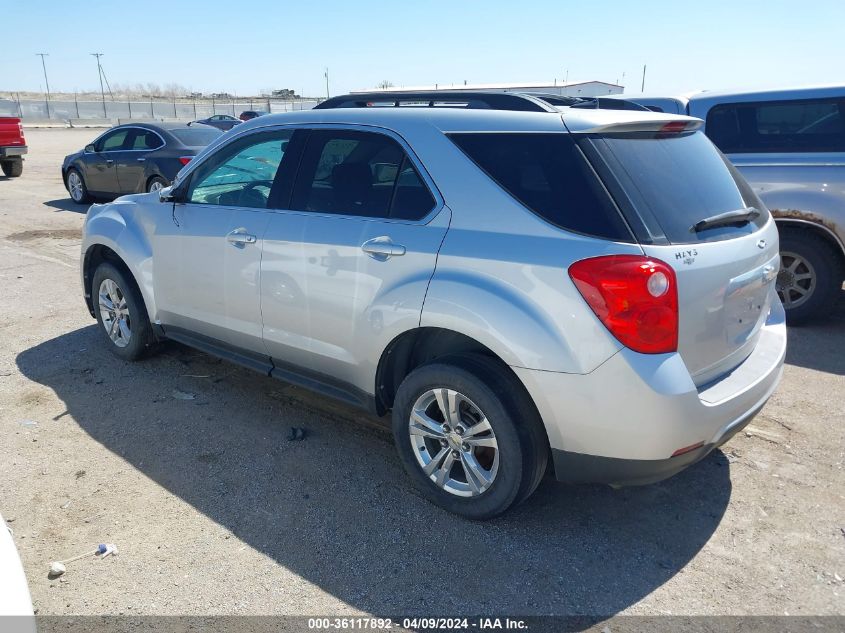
(673, 182)
(816, 125)
(548, 174)
(196, 137)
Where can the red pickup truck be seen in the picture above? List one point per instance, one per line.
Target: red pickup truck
(12, 146)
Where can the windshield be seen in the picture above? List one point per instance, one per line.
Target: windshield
(196, 137)
(674, 182)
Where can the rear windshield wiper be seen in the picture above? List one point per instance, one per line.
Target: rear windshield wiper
(723, 219)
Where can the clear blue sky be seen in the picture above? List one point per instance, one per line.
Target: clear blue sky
(246, 46)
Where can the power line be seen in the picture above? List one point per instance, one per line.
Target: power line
(44, 66)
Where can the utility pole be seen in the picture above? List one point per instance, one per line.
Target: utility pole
(327, 82)
(100, 74)
(642, 88)
(44, 66)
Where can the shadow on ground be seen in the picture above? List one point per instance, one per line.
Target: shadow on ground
(66, 204)
(337, 509)
(820, 345)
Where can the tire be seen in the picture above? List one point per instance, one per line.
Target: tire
(485, 389)
(133, 338)
(79, 194)
(12, 168)
(810, 278)
(155, 183)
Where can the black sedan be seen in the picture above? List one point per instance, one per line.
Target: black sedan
(220, 121)
(248, 115)
(133, 158)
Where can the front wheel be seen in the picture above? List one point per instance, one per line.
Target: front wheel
(76, 187)
(121, 313)
(810, 277)
(468, 436)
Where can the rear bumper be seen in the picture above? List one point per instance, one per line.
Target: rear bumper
(621, 423)
(577, 467)
(13, 150)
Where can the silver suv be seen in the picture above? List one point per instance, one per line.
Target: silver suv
(790, 145)
(520, 284)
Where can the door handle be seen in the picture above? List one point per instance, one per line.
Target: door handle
(109, 161)
(141, 160)
(382, 248)
(240, 238)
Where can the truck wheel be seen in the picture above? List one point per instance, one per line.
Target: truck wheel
(810, 277)
(12, 168)
(76, 187)
(469, 437)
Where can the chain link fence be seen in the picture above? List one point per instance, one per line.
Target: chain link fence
(66, 110)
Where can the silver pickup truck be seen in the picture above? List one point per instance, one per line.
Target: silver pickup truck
(790, 145)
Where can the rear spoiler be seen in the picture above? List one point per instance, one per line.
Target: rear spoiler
(661, 127)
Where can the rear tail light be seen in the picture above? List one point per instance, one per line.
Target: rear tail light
(635, 297)
(687, 449)
(185, 160)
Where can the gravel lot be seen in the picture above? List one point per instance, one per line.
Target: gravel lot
(215, 512)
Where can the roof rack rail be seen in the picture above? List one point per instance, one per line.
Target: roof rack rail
(440, 99)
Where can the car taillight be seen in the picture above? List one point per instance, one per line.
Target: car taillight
(185, 160)
(635, 297)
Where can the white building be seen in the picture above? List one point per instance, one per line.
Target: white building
(571, 89)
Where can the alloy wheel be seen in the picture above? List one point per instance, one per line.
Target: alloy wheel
(453, 442)
(114, 313)
(74, 182)
(796, 279)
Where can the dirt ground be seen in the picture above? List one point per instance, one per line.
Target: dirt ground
(214, 511)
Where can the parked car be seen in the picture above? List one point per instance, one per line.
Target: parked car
(133, 158)
(12, 146)
(220, 121)
(513, 281)
(790, 145)
(248, 115)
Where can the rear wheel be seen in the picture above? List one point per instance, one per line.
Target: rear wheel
(121, 313)
(12, 168)
(468, 435)
(156, 183)
(810, 277)
(76, 187)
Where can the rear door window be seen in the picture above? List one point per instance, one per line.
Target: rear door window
(673, 182)
(347, 172)
(548, 174)
(813, 125)
(146, 140)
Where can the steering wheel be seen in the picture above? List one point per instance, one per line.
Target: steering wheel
(250, 192)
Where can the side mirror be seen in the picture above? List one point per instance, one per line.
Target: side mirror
(89, 149)
(167, 194)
